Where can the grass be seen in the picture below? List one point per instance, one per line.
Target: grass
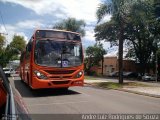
(113, 85)
(109, 85)
(135, 84)
(89, 78)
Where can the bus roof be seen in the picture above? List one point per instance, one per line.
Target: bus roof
(58, 30)
(54, 33)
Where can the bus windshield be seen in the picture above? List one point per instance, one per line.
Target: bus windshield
(58, 53)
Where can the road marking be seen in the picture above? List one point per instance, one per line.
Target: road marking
(58, 103)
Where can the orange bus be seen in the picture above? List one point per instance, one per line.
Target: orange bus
(53, 59)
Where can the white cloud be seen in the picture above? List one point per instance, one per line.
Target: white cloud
(30, 24)
(2, 29)
(23, 34)
(17, 28)
(89, 36)
(88, 39)
(112, 51)
(11, 31)
(80, 9)
(27, 24)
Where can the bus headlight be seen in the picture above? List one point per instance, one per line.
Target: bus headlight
(79, 74)
(40, 75)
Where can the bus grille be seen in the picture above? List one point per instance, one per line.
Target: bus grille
(60, 82)
(61, 77)
(60, 71)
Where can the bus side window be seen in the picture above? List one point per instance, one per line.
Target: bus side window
(28, 48)
(21, 58)
(27, 52)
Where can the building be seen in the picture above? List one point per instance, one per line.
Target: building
(13, 64)
(111, 65)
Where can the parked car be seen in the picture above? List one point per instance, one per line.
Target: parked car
(12, 106)
(114, 74)
(130, 74)
(125, 74)
(8, 71)
(148, 77)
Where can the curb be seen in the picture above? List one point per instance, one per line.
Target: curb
(139, 93)
(88, 83)
(129, 91)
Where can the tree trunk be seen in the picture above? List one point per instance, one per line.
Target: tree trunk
(120, 60)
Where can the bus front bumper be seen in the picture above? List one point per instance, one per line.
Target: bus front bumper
(64, 83)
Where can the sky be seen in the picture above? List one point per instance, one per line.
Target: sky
(22, 17)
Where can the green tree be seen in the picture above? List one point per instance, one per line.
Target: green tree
(141, 32)
(18, 43)
(2, 50)
(12, 50)
(2, 41)
(16, 46)
(2, 58)
(144, 25)
(7, 54)
(119, 10)
(71, 24)
(94, 56)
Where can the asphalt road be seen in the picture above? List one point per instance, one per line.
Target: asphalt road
(84, 100)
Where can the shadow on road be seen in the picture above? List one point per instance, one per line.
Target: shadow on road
(25, 91)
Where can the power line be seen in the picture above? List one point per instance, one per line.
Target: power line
(3, 24)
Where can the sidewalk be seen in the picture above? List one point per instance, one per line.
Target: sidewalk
(153, 88)
(149, 91)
